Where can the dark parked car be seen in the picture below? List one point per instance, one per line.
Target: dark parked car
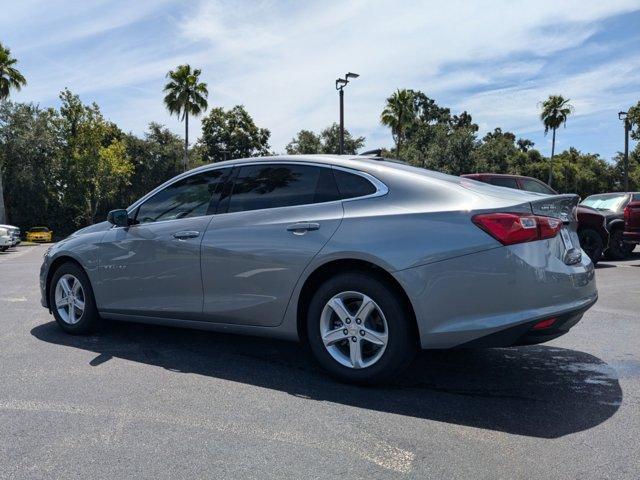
(594, 237)
(632, 221)
(612, 206)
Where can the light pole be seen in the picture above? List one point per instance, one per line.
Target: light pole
(625, 118)
(340, 84)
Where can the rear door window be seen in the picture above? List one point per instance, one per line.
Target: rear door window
(281, 185)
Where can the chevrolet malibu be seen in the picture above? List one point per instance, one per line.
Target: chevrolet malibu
(364, 259)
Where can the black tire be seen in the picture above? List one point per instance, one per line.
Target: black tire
(591, 242)
(3, 249)
(90, 321)
(617, 250)
(401, 343)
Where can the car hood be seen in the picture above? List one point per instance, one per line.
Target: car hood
(96, 227)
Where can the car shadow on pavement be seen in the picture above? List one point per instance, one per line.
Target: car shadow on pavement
(538, 391)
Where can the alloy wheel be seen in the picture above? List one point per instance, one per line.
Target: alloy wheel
(69, 299)
(354, 330)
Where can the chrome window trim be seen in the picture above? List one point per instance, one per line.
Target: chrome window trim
(381, 188)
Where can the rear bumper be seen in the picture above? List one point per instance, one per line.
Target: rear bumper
(529, 333)
(631, 237)
(465, 299)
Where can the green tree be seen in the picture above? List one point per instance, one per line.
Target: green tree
(156, 157)
(328, 141)
(498, 153)
(524, 144)
(305, 142)
(634, 170)
(555, 111)
(94, 163)
(10, 78)
(633, 115)
(436, 139)
(330, 138)
(232, 134)
(398, 114)
(185, 95)
(30, 152)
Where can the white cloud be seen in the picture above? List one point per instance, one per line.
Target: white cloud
(281, 64)
(600, 89)
(280, 59)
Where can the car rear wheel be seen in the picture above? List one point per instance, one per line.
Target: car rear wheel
(71, 300)
(591, 242)
(358, 330)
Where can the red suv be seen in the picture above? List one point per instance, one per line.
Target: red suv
(632, 221)
(593, 234)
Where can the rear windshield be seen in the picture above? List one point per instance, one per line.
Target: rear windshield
(39, 229)
(611, 201)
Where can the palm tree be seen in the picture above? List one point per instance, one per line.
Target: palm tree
(10, 78)
(555, 111)
(184, 96)
(398, 114)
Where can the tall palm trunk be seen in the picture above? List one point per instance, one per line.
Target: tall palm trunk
(3, 214)
(186, 139)
(553, 151)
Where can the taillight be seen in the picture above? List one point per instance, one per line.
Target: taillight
(627, 214)
(510, 228)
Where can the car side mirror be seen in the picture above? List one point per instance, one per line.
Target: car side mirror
(119, 218)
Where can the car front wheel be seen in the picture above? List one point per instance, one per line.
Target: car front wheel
(71, 300)
(618, 249)
(359, 330)
(591, 242)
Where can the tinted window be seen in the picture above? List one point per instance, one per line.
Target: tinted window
(504, 182)
(636, 197)
(273, 185)
(351, 185)
(190, 197)
(534, 186)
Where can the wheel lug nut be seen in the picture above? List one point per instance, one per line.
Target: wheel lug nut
(358, 321)
(345, 331)
(362, 332)
(348, 320)
(354, 339)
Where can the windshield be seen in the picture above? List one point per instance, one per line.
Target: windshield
(611, 202)
(39, 229)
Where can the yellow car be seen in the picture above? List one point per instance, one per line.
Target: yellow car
(39, 234)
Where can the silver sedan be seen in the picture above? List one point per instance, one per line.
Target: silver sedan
(364, 259)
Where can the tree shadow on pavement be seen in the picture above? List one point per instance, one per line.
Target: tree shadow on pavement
(537, 391)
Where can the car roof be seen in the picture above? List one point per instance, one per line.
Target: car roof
(353, 160)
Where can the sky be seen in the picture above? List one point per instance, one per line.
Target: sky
(495, 59)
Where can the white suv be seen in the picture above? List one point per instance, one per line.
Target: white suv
(6, 240)
(13, 232)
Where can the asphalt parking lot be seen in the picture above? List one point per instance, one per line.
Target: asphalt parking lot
(154, 402)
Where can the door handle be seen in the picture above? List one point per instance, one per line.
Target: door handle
(186, 234)
(301, 227)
